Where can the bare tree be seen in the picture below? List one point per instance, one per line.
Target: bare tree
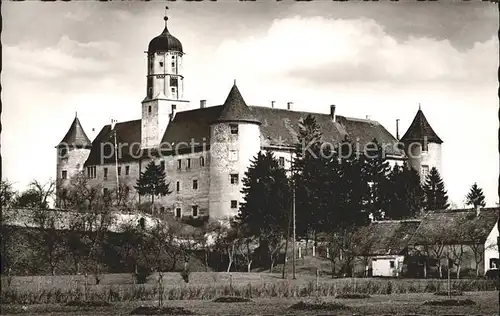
(456, 254)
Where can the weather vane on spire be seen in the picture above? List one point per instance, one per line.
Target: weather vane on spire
(166, 17)
(419, 107)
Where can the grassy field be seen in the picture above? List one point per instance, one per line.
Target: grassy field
(394, 304)
(206, 286)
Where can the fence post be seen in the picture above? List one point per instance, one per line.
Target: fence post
(85, 287)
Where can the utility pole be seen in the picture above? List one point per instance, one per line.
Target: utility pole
(113, 125)
(294, 238)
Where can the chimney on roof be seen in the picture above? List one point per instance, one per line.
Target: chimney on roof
(397, 129)
(332, 112)
(368, 117)
(289, 105)
(203, 104)
(272, 104)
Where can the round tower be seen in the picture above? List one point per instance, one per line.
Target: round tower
(234, 142)
(422, 146)
(164, 86)
(72, 152)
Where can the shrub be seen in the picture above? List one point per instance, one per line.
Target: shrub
(453, 293)
(353, 296)
(450, 302)
(318, 306)
(153, 310)
(185, 275)
(232, 299)
(88, 304)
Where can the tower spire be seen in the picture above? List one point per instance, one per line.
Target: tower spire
(419, 107)
(166, 17)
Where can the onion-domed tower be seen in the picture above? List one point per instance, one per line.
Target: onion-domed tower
(164, 86)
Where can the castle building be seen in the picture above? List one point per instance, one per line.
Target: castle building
(206, 150)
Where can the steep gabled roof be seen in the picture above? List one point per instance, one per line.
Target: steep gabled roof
(419, 130)
(76, 136)
(390, 237)
(235, 109)
(456, 226)
(128, 139)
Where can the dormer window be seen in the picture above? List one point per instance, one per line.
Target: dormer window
(234, 129)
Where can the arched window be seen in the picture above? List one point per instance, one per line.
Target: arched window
(202, 161)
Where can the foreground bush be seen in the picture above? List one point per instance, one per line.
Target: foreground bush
(466, 302)
(148, 292)
(152, 310)
(304, 306)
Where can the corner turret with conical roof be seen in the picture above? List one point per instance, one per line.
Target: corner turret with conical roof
(234, 142)
(235, 109)
(72, 151)
(422, 145)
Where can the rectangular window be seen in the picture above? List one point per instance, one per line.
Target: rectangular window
(105, 173)
(195, 210)
(149, 109)
(173, 64)
(188, 163)
(94, 172)
(127, 170)
(234, 204)
(105, 191)
(119, 171)
(173, 82)
(178, 186)
(493, 263)
(64, 174)
(89, 171)
(234, 129)
(195, 184)
(179, 163)
(234, 178)
(178, 212)
(202, 161)
(162, 164)
(391, 264)
(174, 107)
(281, 162)
(233, 155)
(173, 90)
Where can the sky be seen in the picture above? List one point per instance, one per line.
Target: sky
(376, 59)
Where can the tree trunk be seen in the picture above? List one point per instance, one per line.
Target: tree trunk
(425, 268)
(230, 264)
(284, 261)
(249, 266)
(458, 270)
(272, 265)
(333, 269)
(206, 260)
(152, 204)
(53, 270)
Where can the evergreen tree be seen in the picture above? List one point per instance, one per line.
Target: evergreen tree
(353, 189)
(308, 168)
(267, 203)
(152, 182)
(377, 169)
(475, 197)
(436, 197)
(404, 194)
(266, 196)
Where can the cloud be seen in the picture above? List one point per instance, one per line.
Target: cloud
(67, 59)
(322, 50)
